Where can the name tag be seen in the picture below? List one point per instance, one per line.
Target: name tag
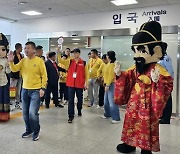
(74, 75)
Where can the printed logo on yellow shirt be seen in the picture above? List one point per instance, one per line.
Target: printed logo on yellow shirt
(34, 65)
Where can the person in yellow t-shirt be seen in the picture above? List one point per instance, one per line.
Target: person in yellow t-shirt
(93, 87)
(110, 108)
(62, 82)
(65, 62)
(34, 77)
(101, 80)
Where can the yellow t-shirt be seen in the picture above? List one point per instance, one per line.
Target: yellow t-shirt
(101, 70)
(33, 72)
(109, 74)
(93, 66)
(62, 75)
(66, 62)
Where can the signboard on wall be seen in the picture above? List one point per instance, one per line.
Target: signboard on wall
(133, 16)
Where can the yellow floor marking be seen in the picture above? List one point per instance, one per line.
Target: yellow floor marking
(19, 114)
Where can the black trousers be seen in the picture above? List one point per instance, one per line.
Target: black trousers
(63, 91)
(79, 94)
(101, 95)
(54, 90)
(167, 112)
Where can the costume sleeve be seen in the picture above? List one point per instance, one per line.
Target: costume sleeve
(161, 92)
(123, 87)
(8, 70)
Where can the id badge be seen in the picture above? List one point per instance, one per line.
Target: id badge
(90, 70)
(74, 75)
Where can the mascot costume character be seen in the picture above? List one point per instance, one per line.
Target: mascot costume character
(4, 82)
(145, 88)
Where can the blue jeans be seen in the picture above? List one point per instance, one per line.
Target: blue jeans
(30, 106)
(71, 95)
(111, 109)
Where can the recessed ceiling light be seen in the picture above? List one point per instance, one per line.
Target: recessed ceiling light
(31, 13)
(22, 3)
(76, 39)
(123, 2)
(75, 43)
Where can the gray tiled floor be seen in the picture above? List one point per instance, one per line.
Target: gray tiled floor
(88, 134)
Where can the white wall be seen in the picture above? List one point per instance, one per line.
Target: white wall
(93, 21)
(5, 27)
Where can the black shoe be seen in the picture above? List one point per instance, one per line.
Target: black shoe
(124, 148)
(79, 113)
(47, 106)
(164, 122)
(26, 134)
(59, 105)
(145, 152)
(35, 136)
(70, 120)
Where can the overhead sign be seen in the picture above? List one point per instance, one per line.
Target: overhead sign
(133, 16)
(60, 40)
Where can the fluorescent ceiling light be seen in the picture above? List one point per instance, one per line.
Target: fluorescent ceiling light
(31, 13)
(75, 43)
(76, 39)
(22, 3)
(123, 2)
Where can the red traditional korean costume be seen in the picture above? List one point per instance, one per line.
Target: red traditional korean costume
(145, 101)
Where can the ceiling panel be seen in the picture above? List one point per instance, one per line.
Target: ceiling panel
(51, 8)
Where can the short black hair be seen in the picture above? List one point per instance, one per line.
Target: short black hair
(68, 49)
(89, 53)
(95, 51)
(18, 45)
(104, 56)
(51, 54)
(64, 55)
(43, 57)
(76, 50)
(39, 47)
(112, 56)
(31, 43)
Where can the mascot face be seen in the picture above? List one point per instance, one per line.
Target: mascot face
(3, 52)
(3, 45)
(147, 45)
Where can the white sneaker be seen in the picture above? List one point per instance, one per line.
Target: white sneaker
(115, 121)
(94, 105)
(65, 102)
(103, 117)
(98, 107)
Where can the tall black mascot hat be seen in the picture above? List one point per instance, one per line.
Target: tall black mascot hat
(149, 33)
(3, 41)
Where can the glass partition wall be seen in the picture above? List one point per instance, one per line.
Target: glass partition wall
(122, 46)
